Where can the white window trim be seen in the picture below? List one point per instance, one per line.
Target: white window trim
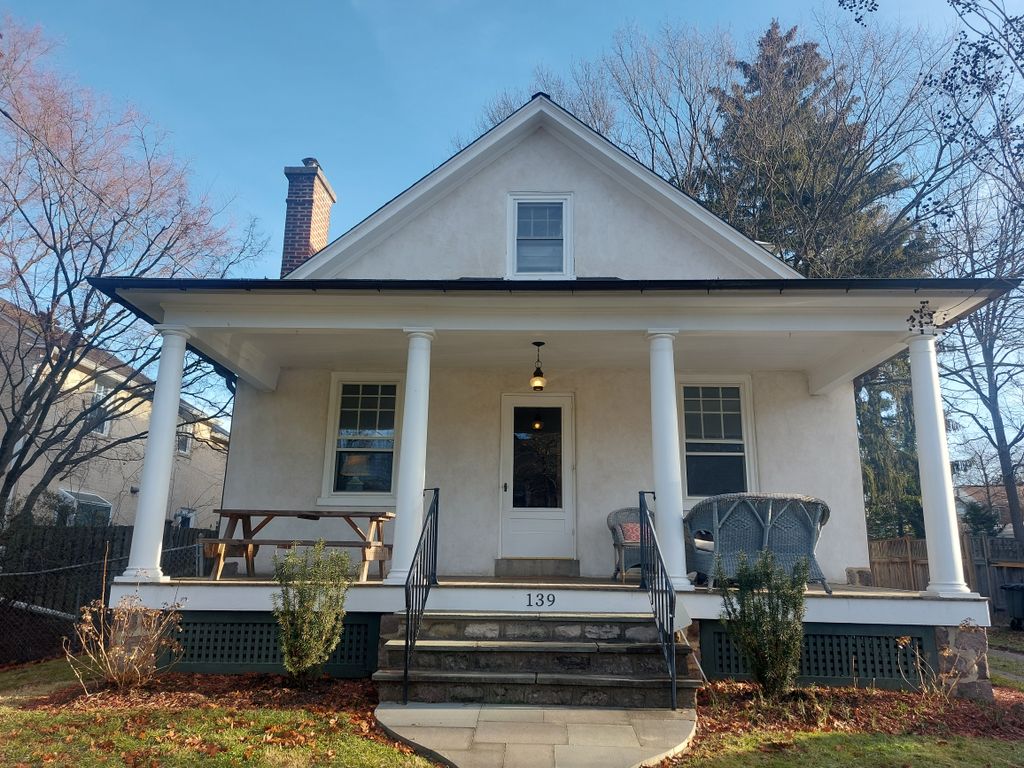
(328, 496)
(104, 430)
(568, 266)
(743, 381)
(184, 430)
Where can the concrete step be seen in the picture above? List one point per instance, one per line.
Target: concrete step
(613, 658)
(559, 627)
(536, 688)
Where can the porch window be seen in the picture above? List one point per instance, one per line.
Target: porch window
(365, 446)
(714, 441)
(539, 236)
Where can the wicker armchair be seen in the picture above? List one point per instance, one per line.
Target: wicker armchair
(744, 524)
(625, 527)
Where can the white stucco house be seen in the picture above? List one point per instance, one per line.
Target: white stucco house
(679, 357)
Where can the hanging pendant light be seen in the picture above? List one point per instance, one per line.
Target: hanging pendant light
(537, 381)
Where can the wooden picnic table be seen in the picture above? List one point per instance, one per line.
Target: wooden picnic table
(370, 540)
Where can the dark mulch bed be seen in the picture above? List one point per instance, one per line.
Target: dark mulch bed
(727, 708)
(355, 699)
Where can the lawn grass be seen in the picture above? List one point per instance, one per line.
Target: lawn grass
(187, 720)
(1006, 639)
(36, 675)
(864, 727)
(209, 736)
(1014, 667)
(835, 750)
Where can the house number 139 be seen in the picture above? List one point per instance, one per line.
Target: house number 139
(540, 599)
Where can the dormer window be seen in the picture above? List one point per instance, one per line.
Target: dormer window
(540, 236)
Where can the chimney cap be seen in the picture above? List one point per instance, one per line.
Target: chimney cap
(311, 162)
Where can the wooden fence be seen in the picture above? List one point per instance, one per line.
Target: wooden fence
(988, 564)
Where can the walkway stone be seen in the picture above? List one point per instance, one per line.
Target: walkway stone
(510, 736)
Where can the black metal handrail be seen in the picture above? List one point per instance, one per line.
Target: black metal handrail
(422, 576)
(655, 579)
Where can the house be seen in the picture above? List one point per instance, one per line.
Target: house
(678, 357)
(990, 497)
(104, 490)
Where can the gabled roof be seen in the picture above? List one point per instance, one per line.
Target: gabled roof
(541, 111)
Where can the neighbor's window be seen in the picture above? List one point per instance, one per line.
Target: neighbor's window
(184, 440)
(99, 415)
(365, 448)
(714, 441)
(540, 230)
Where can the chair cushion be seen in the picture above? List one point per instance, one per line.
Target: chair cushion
(631, 532)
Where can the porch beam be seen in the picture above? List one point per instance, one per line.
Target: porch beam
(412, 455)
(942, 537)
(155, 485)
(667, 459)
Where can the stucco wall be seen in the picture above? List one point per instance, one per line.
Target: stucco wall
(803, 443)
(809, 445)
(465, 233)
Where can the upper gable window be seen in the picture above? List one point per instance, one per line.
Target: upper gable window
(540, 236)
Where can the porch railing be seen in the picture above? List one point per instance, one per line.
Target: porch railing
(422, 576)
(655, 579)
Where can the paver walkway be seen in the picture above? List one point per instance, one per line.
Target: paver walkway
(506, 736)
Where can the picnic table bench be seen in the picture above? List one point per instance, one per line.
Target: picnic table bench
(369, 540)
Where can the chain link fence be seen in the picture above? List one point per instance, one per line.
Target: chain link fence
(47, 573)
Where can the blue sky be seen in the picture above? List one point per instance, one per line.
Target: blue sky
(376, 89)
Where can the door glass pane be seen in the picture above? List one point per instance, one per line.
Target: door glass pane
(537, 458)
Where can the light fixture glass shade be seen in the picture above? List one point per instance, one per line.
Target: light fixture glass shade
(537, 381)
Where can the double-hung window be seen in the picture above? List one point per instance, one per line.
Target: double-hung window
(715, 443)
(364, 451)
(540, 236)
(100, 409)
(183, 443)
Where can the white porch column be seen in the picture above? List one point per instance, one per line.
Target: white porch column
(155, 485)
(940, 523)
(412, 457)
(668, 477)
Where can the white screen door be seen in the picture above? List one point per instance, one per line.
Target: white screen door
(537, 461)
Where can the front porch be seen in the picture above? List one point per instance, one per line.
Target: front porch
(846, 605)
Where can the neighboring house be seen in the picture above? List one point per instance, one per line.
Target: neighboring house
(105, 490)
(989, 496)
(679, 356)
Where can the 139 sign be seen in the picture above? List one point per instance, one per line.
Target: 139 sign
(540, 599)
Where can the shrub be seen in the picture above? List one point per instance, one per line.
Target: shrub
(123, 646)
(310, 607)
(763, 617)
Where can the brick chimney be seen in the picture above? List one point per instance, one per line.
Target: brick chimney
(308, 214)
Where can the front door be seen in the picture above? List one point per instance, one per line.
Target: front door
(537, 463)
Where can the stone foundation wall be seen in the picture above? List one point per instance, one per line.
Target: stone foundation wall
(963, 661)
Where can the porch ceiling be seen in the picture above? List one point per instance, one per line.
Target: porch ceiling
(831, 329)
(696, 352)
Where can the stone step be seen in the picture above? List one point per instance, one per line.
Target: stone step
(562, 627)
(536, 688)
(498, 656)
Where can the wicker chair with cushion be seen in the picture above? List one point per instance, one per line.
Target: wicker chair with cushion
(625, 527)
(744, 524)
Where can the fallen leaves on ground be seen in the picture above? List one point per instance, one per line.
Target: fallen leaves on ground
(329, 699)
(727, 709)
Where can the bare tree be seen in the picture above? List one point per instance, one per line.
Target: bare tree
(85, 190)
(838, 165)
(983, 355)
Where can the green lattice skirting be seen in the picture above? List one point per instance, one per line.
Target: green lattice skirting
(246, 641)
(836, 654)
